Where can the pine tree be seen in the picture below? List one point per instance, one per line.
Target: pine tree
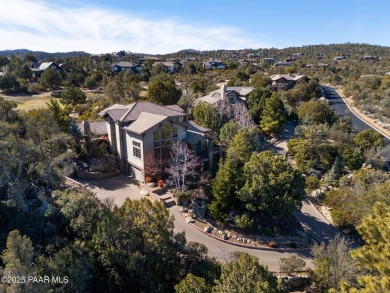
(273, 119)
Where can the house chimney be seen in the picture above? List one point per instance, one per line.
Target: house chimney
(86, 128)
(223, 91)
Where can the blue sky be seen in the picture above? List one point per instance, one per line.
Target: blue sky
(163, 26)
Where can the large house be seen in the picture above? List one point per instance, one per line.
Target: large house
(141, 134)
(227, 95)
(286, 81)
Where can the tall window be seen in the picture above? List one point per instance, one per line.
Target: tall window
(137, 149)
(162, 141)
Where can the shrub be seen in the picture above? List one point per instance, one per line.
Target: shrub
(267, 231)
(277, 230)
(243, 221)
(181, 195)
(291, 264)
(312, 183)
(272, 244)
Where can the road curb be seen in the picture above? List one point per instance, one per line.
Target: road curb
(252, 247)
(359, 116)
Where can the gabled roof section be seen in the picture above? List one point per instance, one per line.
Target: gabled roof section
(175, 108)
(45, 65)
(215, 96)
(192, 126)
(144, 122)
(124, 64)
(292, 77)
(131, 112)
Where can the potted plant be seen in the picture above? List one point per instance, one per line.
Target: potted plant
(160, 183)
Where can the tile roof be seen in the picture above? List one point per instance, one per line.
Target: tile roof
(144, 122)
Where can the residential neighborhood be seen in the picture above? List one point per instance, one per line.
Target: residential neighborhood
(174, 147)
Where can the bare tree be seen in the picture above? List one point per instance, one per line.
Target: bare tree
(241, 116)
(333, 264)
(183, 163)
(239, 111)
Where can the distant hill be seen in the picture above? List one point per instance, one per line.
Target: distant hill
(41, 56)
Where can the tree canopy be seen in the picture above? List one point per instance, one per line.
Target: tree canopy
(163, 90)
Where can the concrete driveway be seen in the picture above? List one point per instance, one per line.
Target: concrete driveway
(116, 188)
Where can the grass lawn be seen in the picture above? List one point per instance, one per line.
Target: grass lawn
(29, 102)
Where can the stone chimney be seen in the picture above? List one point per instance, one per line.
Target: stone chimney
(86, 128)
(223, 91)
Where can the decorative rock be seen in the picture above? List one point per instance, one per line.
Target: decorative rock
(189, 220)
(151, 184)
(207, 229)
(225, 237)
(181, 209)
(249, 241)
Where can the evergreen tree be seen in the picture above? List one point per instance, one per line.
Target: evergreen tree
(272, 187)
(273, 118)
(192, 284)
(245, 274)
(206, 115)
(162, 90)
(373, 258)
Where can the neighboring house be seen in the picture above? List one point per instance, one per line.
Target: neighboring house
(227, 95)
(269, 60)
(170, 67)
(286, 81)
(282, 63)
(213, 64)
(141, 134)
(337, 58)
(38, 68)
(125, 66)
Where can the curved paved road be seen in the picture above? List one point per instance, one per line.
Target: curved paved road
(339, 106)
(222, 250)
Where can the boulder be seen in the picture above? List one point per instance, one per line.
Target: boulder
(189, 220)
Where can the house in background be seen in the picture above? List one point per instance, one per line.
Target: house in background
(286, 81)
(169, 66)
(227, 95)
(141, 135)
(213, 64)
(38, 68)
(125, 66)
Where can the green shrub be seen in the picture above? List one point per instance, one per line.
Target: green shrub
(312, 183)
(243, 221)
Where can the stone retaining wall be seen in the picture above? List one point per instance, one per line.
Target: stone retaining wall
(86, 175)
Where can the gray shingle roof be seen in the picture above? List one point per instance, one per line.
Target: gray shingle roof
(45, 65)
(131, 112)
(215, 96)
(144, 122)
(124, 64)
(276, 77)
(192, 126)
(192, 137)
(97, 128)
